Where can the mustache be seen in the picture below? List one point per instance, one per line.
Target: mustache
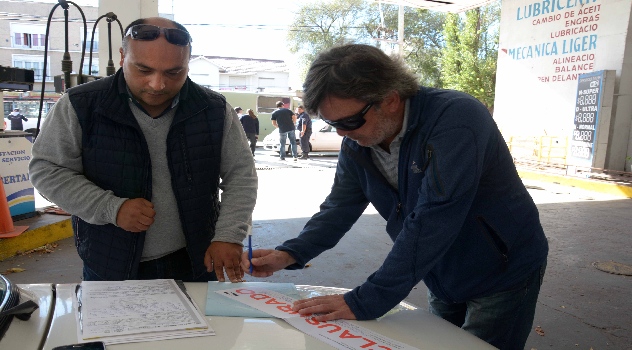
(155, 92)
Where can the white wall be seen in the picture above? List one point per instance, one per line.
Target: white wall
(278, 80)
(126, 11)
(204, 72)
(544, 46)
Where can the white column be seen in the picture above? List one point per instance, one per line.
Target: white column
(126, 11)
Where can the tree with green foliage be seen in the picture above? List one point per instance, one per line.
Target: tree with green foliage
(457, 51)
(470, 52)
(423, 40)
(323, 24)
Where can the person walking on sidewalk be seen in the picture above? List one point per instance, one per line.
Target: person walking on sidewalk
(250, 124)
(285, 120)
(16, 119)
(304, 125)
(139, 158)
(437, 169)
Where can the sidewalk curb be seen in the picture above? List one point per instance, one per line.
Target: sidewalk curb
(34, 238)
(586, 184)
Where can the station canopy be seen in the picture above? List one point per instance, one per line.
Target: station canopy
(453, 6)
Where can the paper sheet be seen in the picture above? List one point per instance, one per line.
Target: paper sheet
(219, 305)
(340, 334)
(131, 311)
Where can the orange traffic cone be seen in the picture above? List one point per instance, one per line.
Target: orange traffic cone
(7, 229)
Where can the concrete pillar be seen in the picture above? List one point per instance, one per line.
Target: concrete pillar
(126, 11)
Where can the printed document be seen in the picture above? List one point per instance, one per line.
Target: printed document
(136, 310)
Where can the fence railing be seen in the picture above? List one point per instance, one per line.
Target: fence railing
(548, 153)
(544, 149)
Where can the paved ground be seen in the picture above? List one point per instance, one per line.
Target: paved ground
(579, 307)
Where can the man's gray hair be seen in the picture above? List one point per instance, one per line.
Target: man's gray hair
(357, 71)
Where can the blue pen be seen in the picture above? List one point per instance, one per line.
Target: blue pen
(250, 251)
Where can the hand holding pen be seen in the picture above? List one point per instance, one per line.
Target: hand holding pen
(250, 252)
(264, 262)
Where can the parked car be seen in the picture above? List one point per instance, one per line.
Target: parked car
(324, 139)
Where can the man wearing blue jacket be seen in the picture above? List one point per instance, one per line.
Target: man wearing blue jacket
(435, 166)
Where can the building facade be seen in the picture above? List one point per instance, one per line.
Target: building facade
(23, 27)
(239, 74)
(565, 70)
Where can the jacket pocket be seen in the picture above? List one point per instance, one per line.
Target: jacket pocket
(496, 242)
(434, 177)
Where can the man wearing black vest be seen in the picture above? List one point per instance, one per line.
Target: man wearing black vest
(139, 158)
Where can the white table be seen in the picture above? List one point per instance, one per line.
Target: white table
(414, 327)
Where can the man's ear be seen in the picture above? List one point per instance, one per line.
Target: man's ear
(122, 57)
(391, 102)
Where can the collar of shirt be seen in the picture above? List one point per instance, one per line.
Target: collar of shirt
(387, 162)
(174, 102)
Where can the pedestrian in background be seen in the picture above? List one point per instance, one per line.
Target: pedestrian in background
(285, 120)
(16, 119)
(139, 158)
(250, 124)
(304, 126)
(437, 169)
(238, 110)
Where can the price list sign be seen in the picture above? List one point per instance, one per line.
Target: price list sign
(587, 105)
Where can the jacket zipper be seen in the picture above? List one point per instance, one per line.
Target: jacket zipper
(495, 241)
(435, 176)
(185, 159)
(429, 150)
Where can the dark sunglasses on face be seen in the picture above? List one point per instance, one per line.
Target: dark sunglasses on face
(148, 32)
(350, 123)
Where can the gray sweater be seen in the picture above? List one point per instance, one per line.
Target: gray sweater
(56, 171)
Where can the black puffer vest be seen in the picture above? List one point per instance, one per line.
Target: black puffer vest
(116, 158)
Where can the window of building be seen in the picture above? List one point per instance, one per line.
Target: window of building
(267, 104)
(28, 36)
(34, 62)
(95, 67)
(237, 83)
(87, 42)
(266, 82)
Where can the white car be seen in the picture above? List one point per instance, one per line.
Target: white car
(53, 323)
(324, 139)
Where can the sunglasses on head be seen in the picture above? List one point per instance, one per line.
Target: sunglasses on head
(148, 32)
(350, 123)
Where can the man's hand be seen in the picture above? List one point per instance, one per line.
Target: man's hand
(266, 261)
(329, 307)
(135, 215)
(222, 256)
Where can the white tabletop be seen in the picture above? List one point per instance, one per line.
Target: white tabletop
(414, 327)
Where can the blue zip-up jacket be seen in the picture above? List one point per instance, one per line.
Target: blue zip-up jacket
(461, 219)
(116, 157)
